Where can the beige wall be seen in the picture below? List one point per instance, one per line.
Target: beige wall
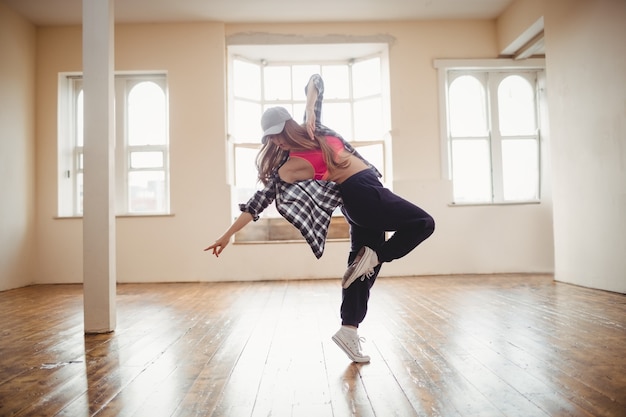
(17, 150)
(522, 20)
(586, 56)
(467, 240)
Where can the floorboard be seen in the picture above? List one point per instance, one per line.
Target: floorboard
(442, 346)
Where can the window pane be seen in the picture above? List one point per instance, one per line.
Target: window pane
(79, 192)
(336, 82)
(298, 112)
(468, 117)
(368, 119)
(277, 82)
(516, 106)
(301, 75)
(366, 78)
(79, 119)
(246, 182)
(471, 171)
(245, 167)
(146, 192)
(247, 78)
(338, 117)
(152, 159)
(373, 154)
(147, 115)
(520, 165)
(246, 123)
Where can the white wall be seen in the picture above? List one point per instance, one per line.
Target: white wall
(586, 58)
(17, 150)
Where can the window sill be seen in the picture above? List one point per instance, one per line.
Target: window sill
(119, 216)
(502, 203)
(279, 230)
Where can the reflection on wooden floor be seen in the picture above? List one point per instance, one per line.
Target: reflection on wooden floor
(441, 346)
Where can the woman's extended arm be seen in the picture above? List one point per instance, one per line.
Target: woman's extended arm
(224, 240)
(311, 98)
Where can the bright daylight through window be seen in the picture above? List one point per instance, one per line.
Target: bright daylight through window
(493, 136)
(354, 106)
(141, 151)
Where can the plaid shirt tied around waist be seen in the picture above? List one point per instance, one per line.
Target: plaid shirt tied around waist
(308, 205)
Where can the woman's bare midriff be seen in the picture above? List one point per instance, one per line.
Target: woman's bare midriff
(355, 165)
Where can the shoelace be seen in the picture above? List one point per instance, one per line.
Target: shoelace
(358, 341)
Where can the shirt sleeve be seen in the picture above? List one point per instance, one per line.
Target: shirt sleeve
(318, 83)
(260, 200)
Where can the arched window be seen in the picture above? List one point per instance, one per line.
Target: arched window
(518, 132)
(142, 146)
(468, 107)
(493, 137)
(516, 104)
(147, 115)
(147, 148)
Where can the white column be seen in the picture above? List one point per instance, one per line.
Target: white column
(99, 276)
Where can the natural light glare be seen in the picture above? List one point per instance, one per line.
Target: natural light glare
(151, 159)
(146, 191)
(249, 80)
(516, 101)
(79, 119)
(283, 84)
(366, 78)
(493, 135)
(277, 83)
(336, 82)
(471, 169)
(370, 125)
(141, 140)
(147, 126)
(79, 192)
(337, 116)
(374, 154)
(246, 126)
(520, 167)
(245, 169)
(468, 109)
(300, 78)
(147, 115)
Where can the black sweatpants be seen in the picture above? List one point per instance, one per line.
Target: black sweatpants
(371, 210)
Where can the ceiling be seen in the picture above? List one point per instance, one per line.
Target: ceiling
(68, 12)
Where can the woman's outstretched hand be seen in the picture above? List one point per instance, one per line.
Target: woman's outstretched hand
(221, 243)
(218, 246)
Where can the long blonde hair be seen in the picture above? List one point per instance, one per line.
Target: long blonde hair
(271, 157)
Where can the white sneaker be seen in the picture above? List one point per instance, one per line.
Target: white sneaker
(349, 341)
(362, 266)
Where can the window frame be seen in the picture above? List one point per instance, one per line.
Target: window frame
(445, 68)
(270, 221)
(70, 153)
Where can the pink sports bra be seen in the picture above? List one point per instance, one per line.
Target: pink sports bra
(316, 158)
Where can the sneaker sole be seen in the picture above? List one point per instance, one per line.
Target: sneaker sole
(362, 359)
(345, 281)
(353, 271)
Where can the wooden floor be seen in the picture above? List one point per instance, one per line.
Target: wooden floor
(440, 346)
